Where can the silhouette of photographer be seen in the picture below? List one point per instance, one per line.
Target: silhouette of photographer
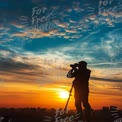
(81, 74)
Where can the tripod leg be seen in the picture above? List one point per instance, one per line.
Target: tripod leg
(68, 98)
(67, 104)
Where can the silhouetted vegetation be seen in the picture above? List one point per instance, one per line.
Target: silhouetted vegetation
(39, 114)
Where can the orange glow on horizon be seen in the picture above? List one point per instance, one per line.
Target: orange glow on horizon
(29, 95)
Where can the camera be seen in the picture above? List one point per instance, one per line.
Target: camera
(74, 65)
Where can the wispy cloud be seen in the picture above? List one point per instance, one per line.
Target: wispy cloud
(105, 79)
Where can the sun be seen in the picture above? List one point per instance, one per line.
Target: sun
(63, 94)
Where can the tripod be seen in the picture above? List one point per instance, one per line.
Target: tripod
(70, 92)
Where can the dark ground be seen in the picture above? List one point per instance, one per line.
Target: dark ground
(41, 115)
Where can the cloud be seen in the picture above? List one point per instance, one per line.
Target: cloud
(111, 43)
(71, 31)
(63, 25)
(22, 70)
(17, 25)
(11, 65)
(4, 53)
(69, 10)
(116, 14)
(35, 33)
(107, 80)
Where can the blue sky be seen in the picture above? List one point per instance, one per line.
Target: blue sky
(40, 36)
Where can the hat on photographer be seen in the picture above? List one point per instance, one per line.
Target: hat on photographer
(82, 64)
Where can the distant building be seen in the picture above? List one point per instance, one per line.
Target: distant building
(105, 108)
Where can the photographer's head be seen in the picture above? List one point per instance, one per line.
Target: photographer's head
(82, 64)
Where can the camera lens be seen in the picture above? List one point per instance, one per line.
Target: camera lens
(71, 65)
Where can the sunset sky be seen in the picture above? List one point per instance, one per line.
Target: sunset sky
(39, 39)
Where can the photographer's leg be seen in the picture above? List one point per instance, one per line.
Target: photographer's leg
(78, 106)
(87, 108)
